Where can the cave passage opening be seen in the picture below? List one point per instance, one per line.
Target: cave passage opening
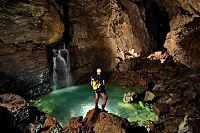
(76, 101)
(157, 23)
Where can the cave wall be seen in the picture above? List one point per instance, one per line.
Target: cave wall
(102, 32)
(182, 40)
(98, 34)
(28, 20)
(26, 28)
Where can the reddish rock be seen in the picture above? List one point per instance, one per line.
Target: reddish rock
(101, 122)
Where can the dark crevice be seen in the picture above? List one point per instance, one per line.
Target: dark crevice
(184, 12)
(138, 2)
(157, 22)
(54, 6)
(122, 6)
(65, 7)
(194, 10)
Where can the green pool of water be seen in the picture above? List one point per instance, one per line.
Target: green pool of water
(77, 100)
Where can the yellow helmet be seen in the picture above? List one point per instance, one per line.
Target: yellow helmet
(98, 70)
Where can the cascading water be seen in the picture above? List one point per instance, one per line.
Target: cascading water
(61, 68)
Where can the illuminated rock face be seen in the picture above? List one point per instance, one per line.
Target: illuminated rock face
(182, 42)
(98, 122)
(102, 33)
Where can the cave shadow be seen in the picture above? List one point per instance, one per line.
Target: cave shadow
(157, 23)
(27, 90)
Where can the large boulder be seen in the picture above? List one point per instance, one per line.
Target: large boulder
(101, 122)
(183, 43)
(19, 117)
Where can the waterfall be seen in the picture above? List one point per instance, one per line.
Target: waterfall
(61, 68)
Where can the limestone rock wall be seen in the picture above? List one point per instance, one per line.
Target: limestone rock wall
(99, 33)
(29, 20)
(183, 39)
(26, 27)
(24, 69)
(102, 33)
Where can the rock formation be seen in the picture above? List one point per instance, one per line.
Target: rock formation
(116, 35)
(98, 33)
(182, 40)
(19, 117)
(98, 122)
(112, 27)
(26, 26)
(176, 90)
(28, 20)
(129, 97)
(102, 32)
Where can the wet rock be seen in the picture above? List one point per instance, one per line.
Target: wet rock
(51, 125)
(16, 106)
(24, 69)
(129, 97)
(98, 122)
(149, 96)
(18, 116)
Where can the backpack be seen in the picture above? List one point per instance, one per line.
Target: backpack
(95, 83)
